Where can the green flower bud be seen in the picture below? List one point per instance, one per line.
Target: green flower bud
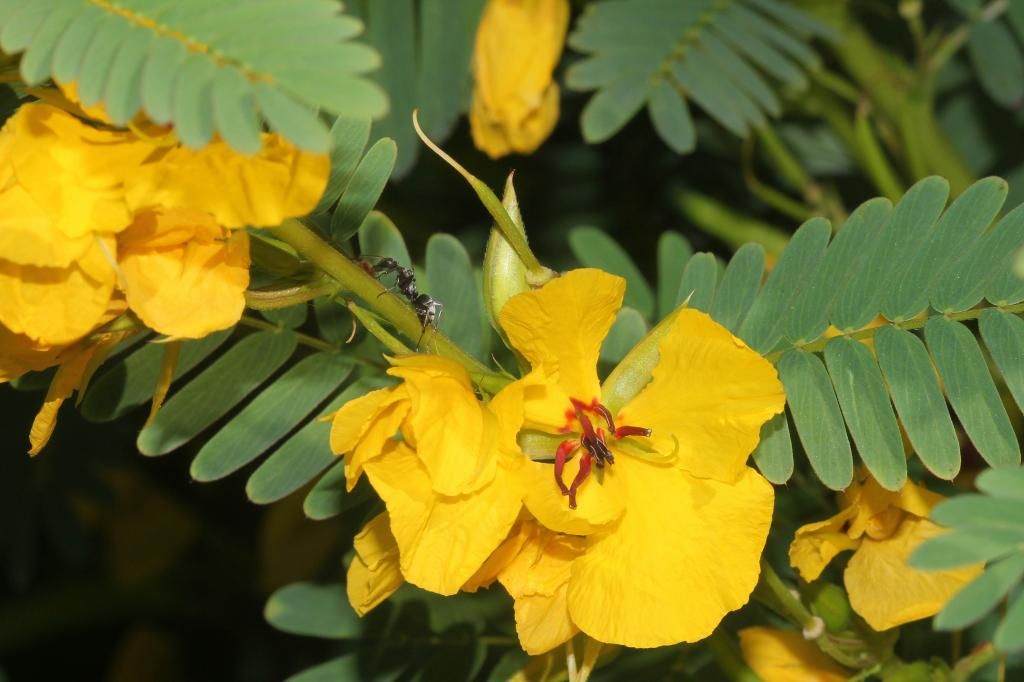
(504, 272)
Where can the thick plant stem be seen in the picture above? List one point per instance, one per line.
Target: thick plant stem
(395, 310)
(282, 298)
(777, 595)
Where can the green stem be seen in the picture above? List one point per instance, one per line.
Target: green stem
(873, 159)
(774, 198)
(729, 225)
(782, 597)
(396, 311)
(503, 221)
(369, 321)
(916, 323)
(727, 655)
(972, 663)
(303, 339)
(282, 298)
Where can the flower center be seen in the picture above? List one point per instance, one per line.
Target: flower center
(591, 441)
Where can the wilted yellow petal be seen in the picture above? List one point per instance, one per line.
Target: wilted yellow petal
(708, 398)
(452, 431)
(172, 349)
(184, 276)
(559, 329)
(56, 306)
(816, 544)
(261, 190)
(685, 553)
(74, 172)
(374, 573)
(443, 540)
(886, 592)
(515, 102)
(785, 656)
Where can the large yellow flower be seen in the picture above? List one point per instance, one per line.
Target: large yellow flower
(785, 656)
(883, 528)
(515, 100)
(450, 482)
(674, 521)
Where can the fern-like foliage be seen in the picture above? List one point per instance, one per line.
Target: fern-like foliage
(865, 321)
(205, 67)
(987, 527)
(660, 54)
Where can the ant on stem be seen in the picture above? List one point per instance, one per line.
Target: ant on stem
(428, 310)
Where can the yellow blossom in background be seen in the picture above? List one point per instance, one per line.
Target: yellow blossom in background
(94, 219)
(450, 484)
(785, 656)
(515, 99)
(883, 528)
(674, 523)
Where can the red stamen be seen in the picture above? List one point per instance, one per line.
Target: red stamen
(565, 448)
(604, 412)
(625, 431)
(581, 476)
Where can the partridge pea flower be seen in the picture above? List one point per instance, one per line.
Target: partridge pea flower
(515, 100)
(883, 528)
(785, 656)
(451, 481)
(672, 521)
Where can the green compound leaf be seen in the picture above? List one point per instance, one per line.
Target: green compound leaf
(627, 330)
(660, 53)
(673, 254)
(208, 397)
(363, 189)
(868, 412)
(981, 595)
(313, 610)
(971, 391)
(169, 59)
(997, 61)
(817, 417)
(739, 286)
(450, 280)
(270, 415)
(697, 287)
(774, 453)
(304, 455)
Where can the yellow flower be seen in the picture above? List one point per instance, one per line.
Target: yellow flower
(183, 274)
(674, 521)
(450, 484)
(515, 100)
(785, 656)
(882, 528)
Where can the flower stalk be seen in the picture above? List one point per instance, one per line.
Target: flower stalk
(382, 301)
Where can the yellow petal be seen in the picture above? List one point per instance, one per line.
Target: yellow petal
(596, 505)
(500, 558)
(785, 656)
(443, 540)
(515, 102)
(277, 183)
(189, 289)
(74, 172)
(537, 578)
(886, 592)
(709, 396)
(685, 553)
(374, 573)
(56, 306)
(559, 328)
(351, 421)
(452, 431)
(20, 354)
(377, 437)
(816, 544)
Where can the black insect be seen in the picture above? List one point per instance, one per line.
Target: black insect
(428, 310)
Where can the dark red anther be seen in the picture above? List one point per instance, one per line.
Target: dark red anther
(581, 476)
(565, 449)
(606, 413)
(624, 431)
